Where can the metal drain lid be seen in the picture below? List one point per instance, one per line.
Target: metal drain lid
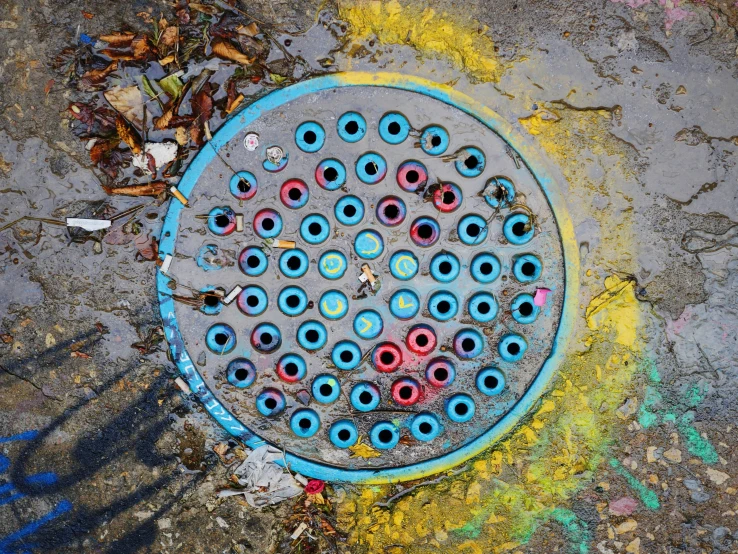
(383, 245)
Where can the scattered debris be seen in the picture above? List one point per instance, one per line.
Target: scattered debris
(232, 295)
(540, 297)
(88, 224)
(178, 195)
(184, 387)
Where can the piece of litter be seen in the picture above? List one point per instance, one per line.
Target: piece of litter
(221, 522)
(299, 531)
(239, 223)
(88, 224)
(166, 263)
(301, 479)
(206, 128)
(162, 153)
(232, 295)
(368, 273)
(283, 244)
(182, 385)
(251, 142)
(540, 298)
(178, 195)
(275, 154)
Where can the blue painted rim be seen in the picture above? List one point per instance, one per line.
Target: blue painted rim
(337, 429)
(285, 268)
(547, 178)
(345, 219)
(475, 171)
(431, 132)
(435, 267)
(347, 118)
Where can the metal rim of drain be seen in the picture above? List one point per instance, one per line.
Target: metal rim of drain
(424, 232)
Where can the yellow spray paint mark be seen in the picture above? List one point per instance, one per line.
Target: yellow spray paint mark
(338, 310)
(367, 327)
(401, 303)
(409, 265)
(332, 263)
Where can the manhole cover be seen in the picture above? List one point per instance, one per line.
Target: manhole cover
(367, 252)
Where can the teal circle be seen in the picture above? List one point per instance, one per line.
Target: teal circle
(403, 265)
(332, 264)
(368, 245)
(368, 324)
(333, 305)
(404, 304)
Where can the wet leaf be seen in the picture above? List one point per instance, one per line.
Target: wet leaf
(148, 87)
(204, 8)
(142, 48)
(95, 77)
(155, 188)
(119, 39)
(278, 79)
(225, 50)
(49, 85)
(101, 148)
(128, 134)
(82, 355)
(250, 30)
(166, 61)
(128, 102)
(169, 37)
(148, 247)
(172, 85)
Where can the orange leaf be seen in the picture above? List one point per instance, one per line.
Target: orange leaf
(128, 134)
(154, 188)
(47, 88)
(225, 50)
(88, 15)
(118, 39)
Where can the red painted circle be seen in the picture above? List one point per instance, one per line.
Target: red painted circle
(386, 357)
(405, 391)
(411, 176)
(293, 193)
(421, 339)
(447, 198)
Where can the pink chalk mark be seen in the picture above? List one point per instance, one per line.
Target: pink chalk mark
(540, 298)
(623, 506)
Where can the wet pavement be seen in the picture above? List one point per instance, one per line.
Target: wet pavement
(630, 449)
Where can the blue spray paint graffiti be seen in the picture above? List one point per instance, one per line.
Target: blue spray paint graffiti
(8, 493)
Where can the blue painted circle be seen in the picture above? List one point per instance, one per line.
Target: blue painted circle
(221, 338)
(460, 408)
(332, 264)
(252, 261)
(527, 268)
(222, 221)
(368, 324)
(472, 229)
(485, 268)
(292, 301)
(243, 185)
(343, 433)
(351, 127)
(310, 136)
(330, 174)
(211, 305)
(253, 300)
(490, 381)
(365, 396)
(326, 389)
(404, 304)
(272, 167)
(261, 220)
(404, 265)
(471, 163)
(346, 355)
(518, 229)
(349, 210)
(293, 366)
(512, 348)
(482, 307)
(468, 343)
(368, 245)
(266, 338)
(394, 128)
(333, 305)
(384, 435)
(440, 372)
(270, 402)
(524, 309)
(312, 335)
(241, 373)
(305, 423)
(445, 267)
(293, 263)
(371, 168)
(443, 305)
(315, 229)
(434, 140)
(499, 192)
(425, 426)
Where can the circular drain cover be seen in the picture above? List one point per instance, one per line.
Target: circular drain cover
(372, 258)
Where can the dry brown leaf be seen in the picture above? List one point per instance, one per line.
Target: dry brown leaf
(128, 102)
(169, 37)
(88, 15)
(154, 188)
(225, 50)
(128, 134)
(101, 148)
(250, 30)
(80, 355)
(161, 123)
(204, 8)
(142, 48)
(98, 76)
(119, 55)
(180, 135)
(49, 84)
(118, 39)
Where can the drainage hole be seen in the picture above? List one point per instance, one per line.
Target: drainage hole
(315, 228)
(309, 137)
(443, 306)
(461, 408)
(391, 211)
(394, 128)
(268, 224)
(490, 381)
(221, 339)
(266, 338)
(346, 356)
(344, 434)
(425, 428)
(467, 345)
(312, 335)
(441, 374)
(386, 358)
(471, 162)
(371, 168)
(513, 348)
(330, 173)
(252, 261)
(290, 369)
(349, 211)
(270, 403)
(243, 185)
(295, 194)
(436, 140)
(518, 229)
(525, 309)
(241, 374)
(366, 397)
(425, 231)
(211, 300)
(252, 301)
(294, 263)
(483, 308)
(421, 340)
(352, 127)
(412, 176)
(385, 435)
(326, 390)
(445, 268)
(304, 423)
(406, 393)
(486, 268)
(449, 197)
(528, 269)
(473, 230)
(293, 301)
(222, 220)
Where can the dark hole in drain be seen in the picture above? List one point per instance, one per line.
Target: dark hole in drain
(443, 306)
(371, 168)
(315, 228)
(293, 301)
(241, 374)
(449, 197)
(461, 408)
(268, 224)
(513, 348)
(445, 267)
(243, 185)
(412, 176)
(365, 397)
(490, 381)
(312, 335)
(467, 345)
(221, 339)
(326, 390)
(425, 428)
(211, 300)
(483, 308)
(518, 229)
(425, 231)
(473, 230)
(222, 220)
(349, 211)
(394, 128)
(391, 211)
(304, 423)
(528, 269)
(330, 173)
(436, 140)
(385, 435)
(294, 194)
(344, 434)
(406, 393)
(441, 374)
(346, 356)
(252, 301)
(309, 137)
(352, 127)
(252, 261)
(386, 357)
(422, 340)
(486, 268)
(290, 369)
(471, 162)
(294, 263)
(266, 338)
(270, 403)
(525, 309)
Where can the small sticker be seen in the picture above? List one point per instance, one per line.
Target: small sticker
(251, 142)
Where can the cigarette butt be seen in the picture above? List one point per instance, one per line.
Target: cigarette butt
(368, 273)
(235, 103)
(182, 385)
(206, 127)
(239, 222)
(166, 263)
(178, 195)
(299, 531)
(232, 295)
(283, 244)
(301, 479)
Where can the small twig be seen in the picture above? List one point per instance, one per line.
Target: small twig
(408, 490)
(31, 218)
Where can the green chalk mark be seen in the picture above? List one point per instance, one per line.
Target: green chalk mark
(648, 497)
